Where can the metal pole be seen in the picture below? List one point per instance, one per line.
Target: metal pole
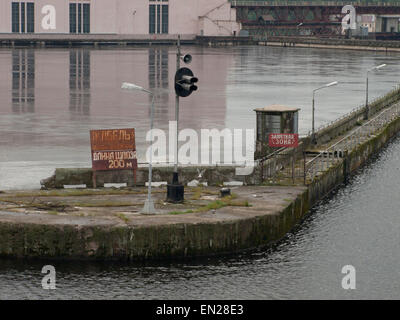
(151, 148)
(366, 101)
(149, 204)
(313, 140)
(178, 65)
(148, 207)
(175, 190)
(304, 166)
(293, 165)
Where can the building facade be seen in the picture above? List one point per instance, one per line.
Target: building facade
(379, 23)
(130, 17)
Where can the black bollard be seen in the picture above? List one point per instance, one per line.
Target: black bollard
(175, 190)
(224, 192)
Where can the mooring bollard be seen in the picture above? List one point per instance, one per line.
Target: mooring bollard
(224, 192)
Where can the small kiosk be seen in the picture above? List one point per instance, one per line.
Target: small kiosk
(274, 119)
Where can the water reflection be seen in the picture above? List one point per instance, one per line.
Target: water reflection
(23, 81)
(79, 81)
(158, 79)
(74, 90)
(357, 225)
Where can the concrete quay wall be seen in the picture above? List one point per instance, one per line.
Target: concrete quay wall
(103, 40)
(339, 126)
(165, 241)
(340, 172)
(333, 43)
(212, 175)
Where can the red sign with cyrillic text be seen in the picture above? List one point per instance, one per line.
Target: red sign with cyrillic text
(288, 140)
(113, 149)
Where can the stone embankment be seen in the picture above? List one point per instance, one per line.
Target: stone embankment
(103, 40)
(332, 43)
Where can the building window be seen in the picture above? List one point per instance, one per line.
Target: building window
(164, 19)
(23, 80)
(79, 17)
(23, 17)
(159, 79)
(79, 81)
(152, 17)
(15, 17)
(158, 16)
(158, 68)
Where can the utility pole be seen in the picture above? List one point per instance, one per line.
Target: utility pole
(178, 66)
(313, 138)
(184, 86)
(366, 113)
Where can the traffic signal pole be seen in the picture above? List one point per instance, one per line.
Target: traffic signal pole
(178, 65)
(184, 86)
(175, 190)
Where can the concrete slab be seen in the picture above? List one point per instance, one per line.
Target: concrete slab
(111, 206)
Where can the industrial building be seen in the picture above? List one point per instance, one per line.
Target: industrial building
(378, 18)
(128, 17)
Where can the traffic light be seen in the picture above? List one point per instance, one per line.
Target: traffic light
(185, 82)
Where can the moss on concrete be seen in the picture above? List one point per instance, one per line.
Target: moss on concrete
(149, 242)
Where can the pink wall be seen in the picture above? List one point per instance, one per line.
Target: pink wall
(5, 16)
(203, 17)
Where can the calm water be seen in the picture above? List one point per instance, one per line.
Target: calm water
(51, 98)
(358, 225)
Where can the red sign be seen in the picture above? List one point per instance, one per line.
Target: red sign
(113, 149)
(289, 140)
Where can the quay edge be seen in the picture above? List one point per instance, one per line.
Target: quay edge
(165, 241)
(332, 43)
(112, 40)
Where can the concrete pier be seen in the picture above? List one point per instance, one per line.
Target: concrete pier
(106, 223)
(89, 224)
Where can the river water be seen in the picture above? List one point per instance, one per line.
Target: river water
(51, 98)
(357, 225)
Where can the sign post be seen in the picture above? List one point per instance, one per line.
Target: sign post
(285, 140)
(113, 149)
